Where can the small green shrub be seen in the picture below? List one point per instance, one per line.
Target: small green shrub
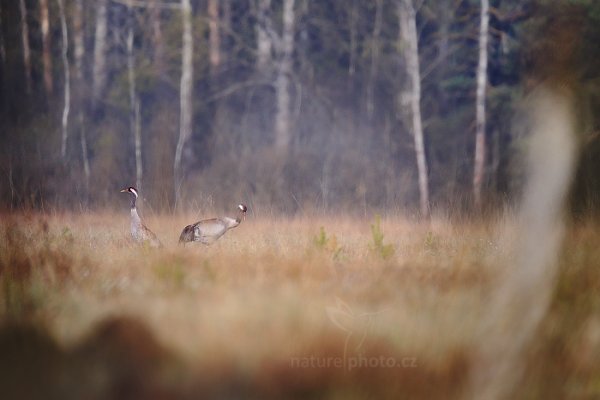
(384, 251)
(431, 242)
(327, 243)
(320, 240)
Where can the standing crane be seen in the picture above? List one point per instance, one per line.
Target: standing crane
(139, 232)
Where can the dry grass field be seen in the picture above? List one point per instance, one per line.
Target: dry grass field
(306, 307)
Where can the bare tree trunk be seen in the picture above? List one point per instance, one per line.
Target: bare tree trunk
(353, 20)
(185, 116)
(46, 57)
(99, 65)
(214, 49)
(408, 32)
(446, 11)
(67, 89)
(374, 58)
(479, 167)
(26, 50)
(157, 39)
(78, 42)
(282, 118)
(264, 43)
(80, 92)
(134, 119)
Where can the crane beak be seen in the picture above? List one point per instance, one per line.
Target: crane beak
(124, 190)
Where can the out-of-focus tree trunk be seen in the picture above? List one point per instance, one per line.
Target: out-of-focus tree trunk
(282, 118)
(264, 42)
(214, 49)
(479, 167)
(157, 39)
(185, 92)
(445, 10)
(374, 58)
(67, 83)
(409, 38)
(134, 107)
(46, 56)
(353, 21)
(225, 29)
(79, 40)
(78, 44)
(99, 65)
(26, 50)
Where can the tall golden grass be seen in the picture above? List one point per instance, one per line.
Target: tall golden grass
(321, 307)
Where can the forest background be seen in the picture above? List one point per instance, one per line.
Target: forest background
(286, 105)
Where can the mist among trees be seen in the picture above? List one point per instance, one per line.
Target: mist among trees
(291, 105)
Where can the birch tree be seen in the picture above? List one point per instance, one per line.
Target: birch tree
(67, 84)
(46, 56)
(25, 42)
(410, 46)
(479, 167)
(80, 92)
(263, 36)
(282, 118)
(99, 64)
(214, 48)
(185, 92)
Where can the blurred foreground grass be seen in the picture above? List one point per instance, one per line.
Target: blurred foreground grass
(278, 308)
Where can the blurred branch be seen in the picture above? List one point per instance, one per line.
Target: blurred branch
(145, 4)
(433, 65)
(234, 88)
(509, 16)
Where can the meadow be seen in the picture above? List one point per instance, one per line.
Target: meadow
(280, 307)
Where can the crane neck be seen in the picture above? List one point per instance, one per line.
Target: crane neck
(240, 216)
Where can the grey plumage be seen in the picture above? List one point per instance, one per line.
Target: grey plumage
(209, 230)
(139, 232)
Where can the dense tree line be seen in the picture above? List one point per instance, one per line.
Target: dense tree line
(289, 104)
